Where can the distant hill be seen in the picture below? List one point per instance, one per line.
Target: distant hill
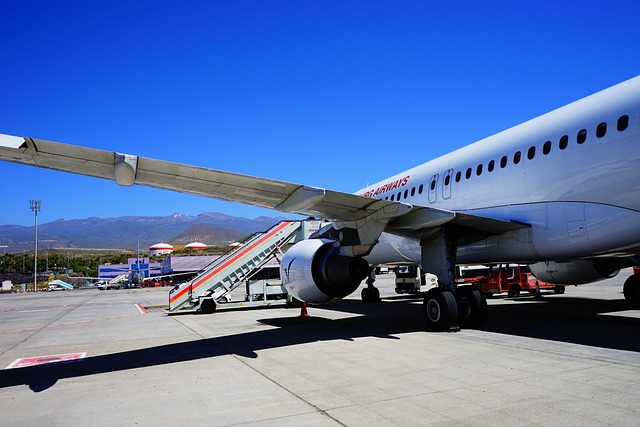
(125, 232)
(207, 234)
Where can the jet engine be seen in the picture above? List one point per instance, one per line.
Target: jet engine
(574, 272)
(313, 271)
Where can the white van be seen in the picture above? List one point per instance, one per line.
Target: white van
(50, 288)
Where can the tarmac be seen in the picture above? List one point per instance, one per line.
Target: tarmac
(571, 359)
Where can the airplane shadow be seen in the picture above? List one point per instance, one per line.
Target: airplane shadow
(591, 322)
(571, 320)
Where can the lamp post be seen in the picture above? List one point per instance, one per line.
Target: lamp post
(35, 206)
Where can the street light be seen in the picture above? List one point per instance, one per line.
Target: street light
(35, 206)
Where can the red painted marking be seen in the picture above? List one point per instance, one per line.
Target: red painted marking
(141, 309)
(202, 280)
(43, 360)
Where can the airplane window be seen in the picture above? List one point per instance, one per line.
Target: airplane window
(447, 180)
(564, 141)
(468, 174)
(582, 136)
(491, 165)
(387, 198)
(420, 189)
(601, 130)
(531, 153)
(433, 185)
(623, 122)
(546, 148)
(479, 169)
(399, 195)
(413, 191)
(503, 162)
(516, 157)
(406, 193)
(458, 176)
(392, 197)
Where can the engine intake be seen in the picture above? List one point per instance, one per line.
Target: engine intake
(314, 272)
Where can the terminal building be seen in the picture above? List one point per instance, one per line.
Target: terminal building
(141, 265)
(182, 267)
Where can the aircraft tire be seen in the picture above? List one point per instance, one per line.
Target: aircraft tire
(472, 307)
(440, 310)
(631, 290)
(559, 289)
(370, 294)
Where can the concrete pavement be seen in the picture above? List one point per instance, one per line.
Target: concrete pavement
(569, 359)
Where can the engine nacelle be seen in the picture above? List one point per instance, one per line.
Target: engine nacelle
(312, 271)
(574, 272)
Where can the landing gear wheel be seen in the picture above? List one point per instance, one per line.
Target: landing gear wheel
(559, 289)
(441, 310)
(514, 291)
(632, 291)
(370, 294)
(472, 307)
(208, 306)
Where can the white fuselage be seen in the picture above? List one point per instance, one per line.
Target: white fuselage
(579, 193)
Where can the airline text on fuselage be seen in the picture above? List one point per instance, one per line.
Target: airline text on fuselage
(387, 187)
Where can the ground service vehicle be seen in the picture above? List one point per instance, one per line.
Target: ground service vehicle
(410, 279)
(510, 278)
(50, 288)
(109, 286)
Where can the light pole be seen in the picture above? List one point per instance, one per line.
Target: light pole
(35, 206)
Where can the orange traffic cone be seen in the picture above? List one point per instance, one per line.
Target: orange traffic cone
(303, 310)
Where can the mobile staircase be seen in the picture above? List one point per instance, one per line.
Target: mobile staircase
(229, 271)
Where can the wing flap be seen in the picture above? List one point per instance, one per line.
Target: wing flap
(422, 219)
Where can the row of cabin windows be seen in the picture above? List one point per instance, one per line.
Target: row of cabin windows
(406, 193)
(563, 143)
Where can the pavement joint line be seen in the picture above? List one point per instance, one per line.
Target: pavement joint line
(36, 330)
(321, 411)
(60, 325)
(241, 360)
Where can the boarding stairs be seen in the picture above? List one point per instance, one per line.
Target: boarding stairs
(230, 270)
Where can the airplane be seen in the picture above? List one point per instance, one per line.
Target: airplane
(560, 193)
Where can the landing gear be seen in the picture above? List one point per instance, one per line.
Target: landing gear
(472, 307)
(448, 307)
(370, 293)
(441, 310)
(632, 290)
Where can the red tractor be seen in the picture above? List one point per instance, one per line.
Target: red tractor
(513, 279)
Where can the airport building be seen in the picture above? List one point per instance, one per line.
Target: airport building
(174, 265)
(186, 264)
(142, 265)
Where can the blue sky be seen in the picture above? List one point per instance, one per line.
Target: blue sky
(333, 94)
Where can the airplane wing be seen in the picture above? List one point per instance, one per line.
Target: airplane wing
(283, 196)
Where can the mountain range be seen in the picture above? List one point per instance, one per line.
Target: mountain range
(212, 228)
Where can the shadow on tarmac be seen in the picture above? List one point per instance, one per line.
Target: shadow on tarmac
(565, 319)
